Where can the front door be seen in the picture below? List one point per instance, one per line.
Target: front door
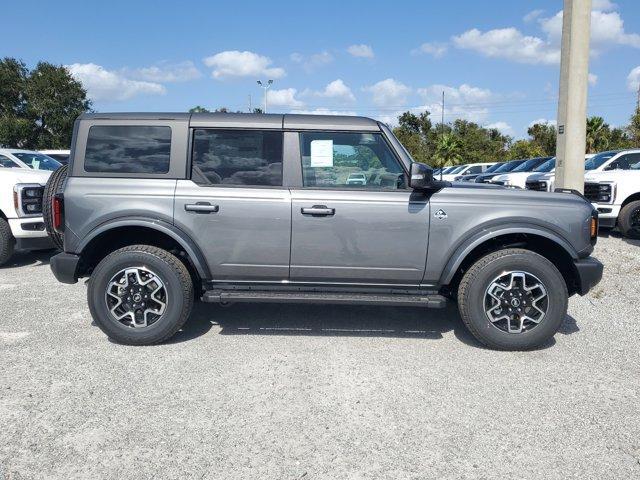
(235, 204)
(354, 220)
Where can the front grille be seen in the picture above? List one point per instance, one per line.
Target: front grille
(592, 191)
(536, 185)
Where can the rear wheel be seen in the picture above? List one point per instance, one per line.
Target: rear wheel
(140, 295)
(513, 299)
(629, 219)
(54, 185)
(7, 242)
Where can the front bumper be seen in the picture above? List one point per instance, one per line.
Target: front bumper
(28, 227)
(607, 214)
(64, 267)
(589, 272)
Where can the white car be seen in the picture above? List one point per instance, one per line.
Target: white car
(27, 159)
(21, 223)
(463, 170)
(60, 155)
(357, 179)
(615, 192)
(517, 178)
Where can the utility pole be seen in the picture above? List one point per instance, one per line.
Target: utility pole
(265, 87)
(249, 103)
(572, 104)
(442, 130)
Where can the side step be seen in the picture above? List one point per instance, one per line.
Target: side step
(400, 300)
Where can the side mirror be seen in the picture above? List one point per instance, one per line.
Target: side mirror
(613, 166)
(420, 176)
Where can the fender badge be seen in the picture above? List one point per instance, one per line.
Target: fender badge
(440, 214)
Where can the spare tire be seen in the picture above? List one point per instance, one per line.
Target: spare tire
(54, 185)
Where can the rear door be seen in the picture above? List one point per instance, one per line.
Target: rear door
(235, 206)
(354, 220)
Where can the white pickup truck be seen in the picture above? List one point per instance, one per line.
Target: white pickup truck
(21, 188)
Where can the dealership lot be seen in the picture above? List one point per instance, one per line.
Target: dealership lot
(290, 391)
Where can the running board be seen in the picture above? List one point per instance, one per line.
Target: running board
(399, 300)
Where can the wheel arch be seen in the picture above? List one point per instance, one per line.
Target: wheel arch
(630, 198)
(121, 232)
(539, 240)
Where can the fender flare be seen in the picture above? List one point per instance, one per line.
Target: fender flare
(470, 243)
(189, 246)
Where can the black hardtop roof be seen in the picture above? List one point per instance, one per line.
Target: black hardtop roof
(250, 120)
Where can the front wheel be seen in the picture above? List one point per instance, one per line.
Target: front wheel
(140, 295)
(513, 299)
(629, 219)
(7, 242)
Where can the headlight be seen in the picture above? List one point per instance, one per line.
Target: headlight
(604, 192)
(27, 199)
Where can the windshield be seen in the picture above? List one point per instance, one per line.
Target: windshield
(38, 161)
(457, 169)
(598, 160)
(529, 165)
(494, 167)
(546, 166)
(507, 167)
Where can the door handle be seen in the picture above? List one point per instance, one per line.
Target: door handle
(318, 211)
(201, 207)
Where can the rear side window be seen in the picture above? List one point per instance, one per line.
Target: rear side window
(237, 157)
(128, 149)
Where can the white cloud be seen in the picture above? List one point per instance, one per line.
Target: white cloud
(312, 62)
(509, 43)
(337, 90)
(362, 51)
(284, 98)
(633, 79)
(502, 127)
(532, 15)
(102, 84)
(466, 102)
(233, 63)
(165, 72)
(388, 92)
(324, 111)
(603, 5)
(431, 48)
(593, 79)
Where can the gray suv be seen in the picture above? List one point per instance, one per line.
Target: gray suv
(159, 210)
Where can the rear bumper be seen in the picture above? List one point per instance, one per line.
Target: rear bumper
(64, 267)
(589, 274)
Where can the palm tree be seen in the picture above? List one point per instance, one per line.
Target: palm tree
(596, 134)
(448, 151)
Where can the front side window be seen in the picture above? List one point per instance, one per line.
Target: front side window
(473, 170)
(6, 162)
(626, 162)
(128, 149)
(349, 160)
(237, 157)
(38, 161)
(598, 160)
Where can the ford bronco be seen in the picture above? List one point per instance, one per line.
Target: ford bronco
(159, 210)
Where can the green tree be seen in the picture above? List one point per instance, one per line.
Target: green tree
(634, 128)
(597, 135)
(448, 151)
(544, 135)
(525, 149)
(198, 109)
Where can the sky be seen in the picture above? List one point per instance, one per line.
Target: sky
(497, 61)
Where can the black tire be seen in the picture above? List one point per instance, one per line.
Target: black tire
(7, 242)
(629, 219)
(476, 281)
(54, 185)
(169, 269)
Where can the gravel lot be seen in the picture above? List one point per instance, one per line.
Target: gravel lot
(287, 392)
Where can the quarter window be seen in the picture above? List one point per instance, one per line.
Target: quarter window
(349, 160)
(237, 157)
(128, 149)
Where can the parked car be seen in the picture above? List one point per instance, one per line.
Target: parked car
(507, 167)
(615, 191)
(21, 223)
(30, 159)
(357, 179)
(543, 178)
(61, 156)
(470, 169)
(257, 211)
(517, 177)
(472, 177)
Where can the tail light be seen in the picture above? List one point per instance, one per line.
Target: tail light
(58, 213)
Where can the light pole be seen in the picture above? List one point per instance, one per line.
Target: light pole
(266, 87)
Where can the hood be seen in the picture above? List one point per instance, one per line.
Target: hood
(541, 176)
(511, 176)
(611, 175)
(23, 175)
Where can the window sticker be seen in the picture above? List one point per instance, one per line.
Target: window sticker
(322, 153)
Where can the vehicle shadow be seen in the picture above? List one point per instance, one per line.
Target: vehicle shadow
(334, 321)
(613, 233)
(24, 258)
